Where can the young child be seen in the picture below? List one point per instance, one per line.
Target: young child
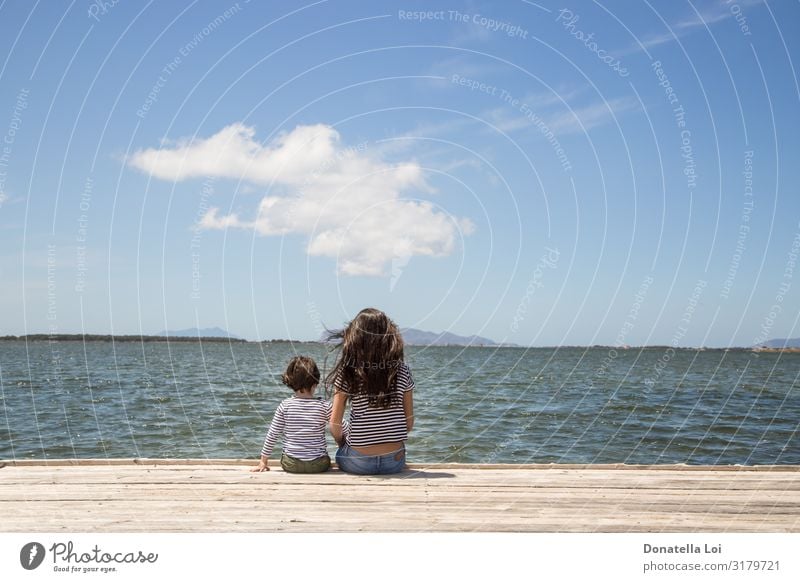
(301, 420)
(371, 374)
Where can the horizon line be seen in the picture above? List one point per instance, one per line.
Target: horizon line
(128, 337)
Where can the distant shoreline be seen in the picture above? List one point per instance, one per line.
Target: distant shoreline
(70, 337)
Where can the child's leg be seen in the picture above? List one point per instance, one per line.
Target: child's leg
(292, 465)
(319, 465)
(289, 464)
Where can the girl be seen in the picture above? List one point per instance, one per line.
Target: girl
(301, 420)
(371, 375)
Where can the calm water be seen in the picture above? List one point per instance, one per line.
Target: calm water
(68, 399)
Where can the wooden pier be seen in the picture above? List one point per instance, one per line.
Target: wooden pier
(145, 495)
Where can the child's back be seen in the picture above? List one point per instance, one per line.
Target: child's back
(301, 421)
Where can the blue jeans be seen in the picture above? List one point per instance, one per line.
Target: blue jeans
(351, 461)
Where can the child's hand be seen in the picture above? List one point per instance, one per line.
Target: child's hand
(262, 466)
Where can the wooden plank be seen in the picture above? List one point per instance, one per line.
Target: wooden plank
(394, 522)
(314, 494)
(367, 494)
(367, 512)
(435, 520)
(610, 483)
(513, 476)
(541, 497)
(509, 469)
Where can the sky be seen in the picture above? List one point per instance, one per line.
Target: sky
(537, 173)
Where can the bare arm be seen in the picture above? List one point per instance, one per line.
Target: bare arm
(337, 414)
(276, 428)
(408, 409)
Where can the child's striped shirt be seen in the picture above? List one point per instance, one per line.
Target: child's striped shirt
(302, 423)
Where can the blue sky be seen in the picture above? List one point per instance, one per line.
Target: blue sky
(537, 173)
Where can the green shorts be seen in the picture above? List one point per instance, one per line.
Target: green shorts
(318, 465)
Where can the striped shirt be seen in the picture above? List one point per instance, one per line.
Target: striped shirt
(302, 423)
(375, 425)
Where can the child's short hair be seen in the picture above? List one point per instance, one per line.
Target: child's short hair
(301, 373)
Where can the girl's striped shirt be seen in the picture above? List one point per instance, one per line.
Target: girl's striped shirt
(371, 426)
(302, 423)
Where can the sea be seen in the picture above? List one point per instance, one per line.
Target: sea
(656, 405)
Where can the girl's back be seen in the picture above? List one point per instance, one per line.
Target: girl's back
(371, 374)
(370, 425)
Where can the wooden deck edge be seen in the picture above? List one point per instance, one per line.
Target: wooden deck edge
(506, 466)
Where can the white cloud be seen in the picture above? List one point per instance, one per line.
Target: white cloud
(585, 118)
(233, 153)
(211, 221)
(651, 41)
(346, 202)
(575, 120)
(711, 14)
(466, 66)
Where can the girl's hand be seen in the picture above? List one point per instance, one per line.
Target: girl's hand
(262, 466)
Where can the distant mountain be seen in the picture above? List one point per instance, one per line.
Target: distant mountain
(418, 337)
(780, 343)
(198, 332)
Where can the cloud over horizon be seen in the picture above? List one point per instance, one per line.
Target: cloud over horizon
(348, 203)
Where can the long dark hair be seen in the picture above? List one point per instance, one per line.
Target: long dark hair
(371, 353)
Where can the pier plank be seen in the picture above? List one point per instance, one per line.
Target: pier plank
(204, 496)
